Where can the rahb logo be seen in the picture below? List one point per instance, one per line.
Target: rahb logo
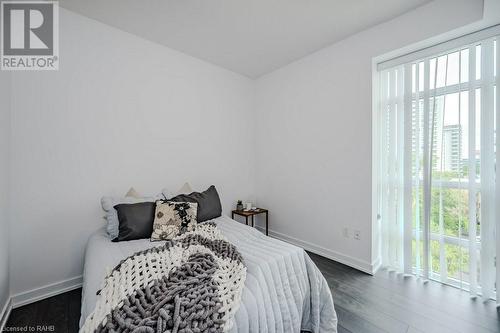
(29, 35)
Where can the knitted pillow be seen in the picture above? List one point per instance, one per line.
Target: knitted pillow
(173, 219)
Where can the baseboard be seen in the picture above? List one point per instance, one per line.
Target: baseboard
(4, 315)
(47, 291)
(61, 287)
(376, 264)
(360, 265)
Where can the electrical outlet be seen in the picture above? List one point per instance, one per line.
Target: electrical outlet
(357, 234)
(345, 232)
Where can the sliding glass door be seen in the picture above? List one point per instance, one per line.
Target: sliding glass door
(437, 152)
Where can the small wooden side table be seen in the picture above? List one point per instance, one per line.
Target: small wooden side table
(252, 213)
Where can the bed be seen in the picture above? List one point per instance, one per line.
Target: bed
(284, 290)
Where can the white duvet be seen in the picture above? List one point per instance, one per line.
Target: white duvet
(284, 290)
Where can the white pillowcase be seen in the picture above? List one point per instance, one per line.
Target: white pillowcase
(133, 193)
(185, 189)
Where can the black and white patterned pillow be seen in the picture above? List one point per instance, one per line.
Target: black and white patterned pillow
(173, 219)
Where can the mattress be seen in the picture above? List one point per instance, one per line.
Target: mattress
(284, 290)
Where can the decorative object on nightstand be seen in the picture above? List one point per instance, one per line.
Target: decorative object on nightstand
(239, 205)
(251, 213)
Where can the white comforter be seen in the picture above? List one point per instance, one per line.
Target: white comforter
(284, 290)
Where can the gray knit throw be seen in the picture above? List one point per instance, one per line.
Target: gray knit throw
(190, 284)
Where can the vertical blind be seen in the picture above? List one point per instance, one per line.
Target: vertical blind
(439, 189)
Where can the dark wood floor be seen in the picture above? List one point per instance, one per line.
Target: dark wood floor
(61, 312)
(386, 302)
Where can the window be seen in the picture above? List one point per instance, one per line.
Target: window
(438, 200)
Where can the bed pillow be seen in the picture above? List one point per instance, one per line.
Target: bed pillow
(136, 220)
(172, 219)
(185, 189)
(108, 202)
(209, 206)
(133, 193)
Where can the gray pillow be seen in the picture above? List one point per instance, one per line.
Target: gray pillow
(209, 206)
(136, 220)
(111, 216)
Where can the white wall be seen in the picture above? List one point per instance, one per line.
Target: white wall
(5, 93)
(314, 134)
(120, 112)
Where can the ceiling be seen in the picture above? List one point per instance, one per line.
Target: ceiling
(251, 37)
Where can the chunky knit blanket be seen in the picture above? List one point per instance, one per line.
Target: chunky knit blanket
(192, 283)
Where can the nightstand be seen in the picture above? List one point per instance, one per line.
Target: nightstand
(252, 213)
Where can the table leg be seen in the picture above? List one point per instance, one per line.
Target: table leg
(232, 215)
(252, 222)
(267, 223)
(246, 220)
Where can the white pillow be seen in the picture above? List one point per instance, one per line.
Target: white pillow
(108, 203)
(133, 193)
(185, 189)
